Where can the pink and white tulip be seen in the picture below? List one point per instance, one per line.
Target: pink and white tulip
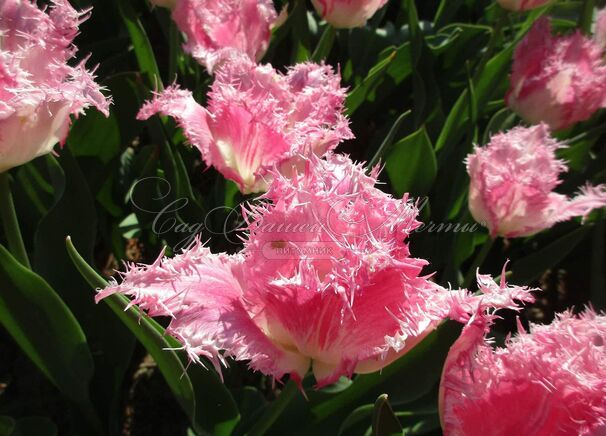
(325, 282)
(549, 381)
(522, 5)
(512, 183)
(39, 90)
(257, 118)
(558, 80)
(214, 28)
(347, 14)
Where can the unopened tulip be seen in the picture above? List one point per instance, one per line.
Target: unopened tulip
(325, 282)
(39, 89)
(522, 5)
(558, 80)
(512, 183)
(545, 382)
(257, 118)
(347, 14)
(213, 28)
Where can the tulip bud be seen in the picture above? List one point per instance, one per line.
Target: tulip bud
(347, 14)
(39, 90)
(512, 183)
(558, 80)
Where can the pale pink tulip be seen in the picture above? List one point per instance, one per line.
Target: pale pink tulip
(522, 5)
(512, 183)
(39, 90)
(214, 28)
(546, 382)
(325, 282)
(559, 80)
(347, 14)
(257, 118)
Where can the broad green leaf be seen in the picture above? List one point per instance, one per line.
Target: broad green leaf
(384, 421)
(411, 164)
(531, 267)
(212, 408)
(74, 214)
(95, 135)
(45, 328)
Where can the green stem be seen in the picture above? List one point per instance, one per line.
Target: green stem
(275, 410)
(325, 44)
(10, 222)
(586, 17)
(388, 140)
(477, 262)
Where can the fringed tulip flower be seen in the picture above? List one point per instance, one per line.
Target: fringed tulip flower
(522, 5)
(257, 118)
(546, 382)
(325, 281)
(512, 183)
(214, 28)
(347, 14)
(39, 90)
(559, 80)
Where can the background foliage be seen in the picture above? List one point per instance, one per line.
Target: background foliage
(426, 81)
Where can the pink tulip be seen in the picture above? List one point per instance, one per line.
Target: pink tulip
(257, 118)
(325, 281)
(522, 5)
(347, 14)
(213, 28)
(559, 80)
(39, 90)
(546, 382)
(512, 183)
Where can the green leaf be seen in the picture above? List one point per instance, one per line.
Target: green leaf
(299, 20)
(384, 421)
(411, 165)
(405, 380)
(141, 45)
(45, 328)
(219, 414)
(74, 214)
(35, 426)
(534, 265)
(95, 135)
(388, 139)
(324, 45)
(357, 421)
(394, 62)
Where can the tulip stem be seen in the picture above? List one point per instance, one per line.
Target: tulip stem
(10, 222)
(274, 410)
(325, 44)
(492, 43)
(478, 261)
